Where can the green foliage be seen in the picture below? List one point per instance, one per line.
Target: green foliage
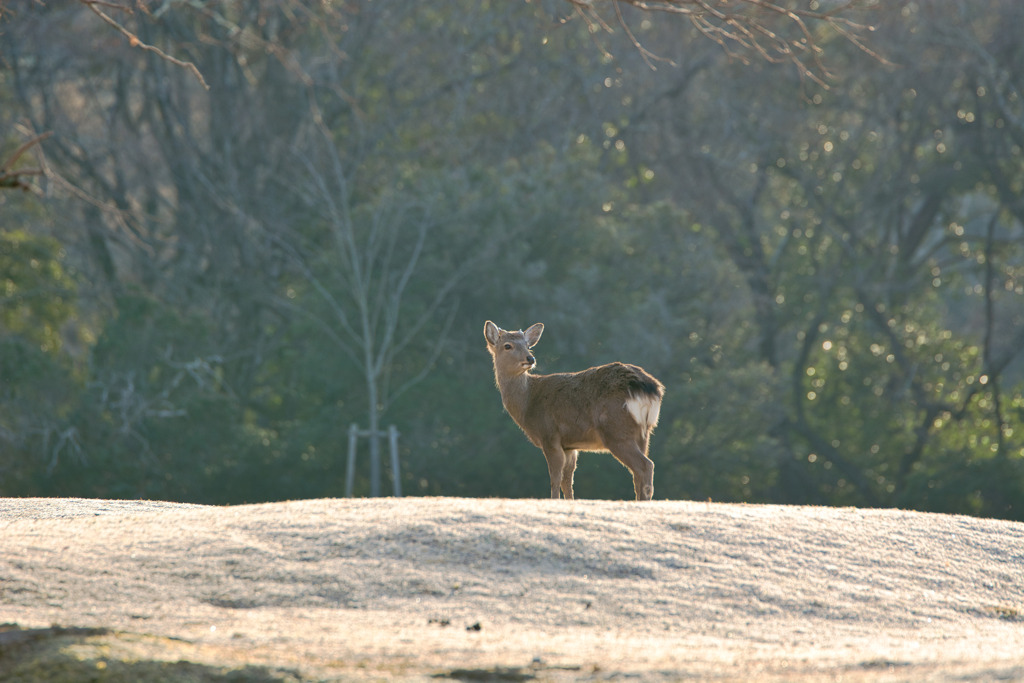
(38, 381)
(828, 282)
(37, 295)
(159, 414)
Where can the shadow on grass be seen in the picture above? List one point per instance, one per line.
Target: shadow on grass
(76, 655)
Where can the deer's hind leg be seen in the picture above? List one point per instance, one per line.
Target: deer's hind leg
(630, 453)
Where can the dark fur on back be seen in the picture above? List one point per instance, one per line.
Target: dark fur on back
(613, 376)
(640, 382)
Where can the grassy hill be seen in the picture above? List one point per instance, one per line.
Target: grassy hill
(510, 590)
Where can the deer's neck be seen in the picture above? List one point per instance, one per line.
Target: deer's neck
(515, 394)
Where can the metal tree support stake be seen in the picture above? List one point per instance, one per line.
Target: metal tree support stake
(350, 468)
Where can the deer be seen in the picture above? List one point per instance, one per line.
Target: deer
(608, 408)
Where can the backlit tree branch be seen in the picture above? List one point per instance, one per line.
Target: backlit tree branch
(787, 31)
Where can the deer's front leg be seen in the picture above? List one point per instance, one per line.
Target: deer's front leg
(556, 463)
(568, 469)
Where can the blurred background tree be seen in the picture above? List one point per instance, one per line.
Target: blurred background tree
(210, 280)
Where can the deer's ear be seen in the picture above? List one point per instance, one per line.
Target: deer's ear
(533, 333)
(491, 333)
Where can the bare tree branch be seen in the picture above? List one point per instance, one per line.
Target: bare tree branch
(135, 41)
(777, 32)
(15, 178)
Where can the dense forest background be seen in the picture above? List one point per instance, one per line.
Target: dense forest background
(206, 286)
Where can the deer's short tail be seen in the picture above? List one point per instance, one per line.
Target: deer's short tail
(645, 409)
(644, 402)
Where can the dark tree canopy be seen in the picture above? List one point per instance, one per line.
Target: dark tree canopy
(216, 270)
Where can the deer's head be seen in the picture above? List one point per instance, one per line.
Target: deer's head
(511, 350)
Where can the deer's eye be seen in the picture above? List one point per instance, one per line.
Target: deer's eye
(508, 347)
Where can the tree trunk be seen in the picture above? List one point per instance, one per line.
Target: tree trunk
(374, 429)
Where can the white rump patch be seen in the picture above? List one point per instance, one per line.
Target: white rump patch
(645, 410)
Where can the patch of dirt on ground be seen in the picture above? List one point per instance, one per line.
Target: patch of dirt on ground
(421, 589)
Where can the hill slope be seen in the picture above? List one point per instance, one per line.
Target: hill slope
(506, 590)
